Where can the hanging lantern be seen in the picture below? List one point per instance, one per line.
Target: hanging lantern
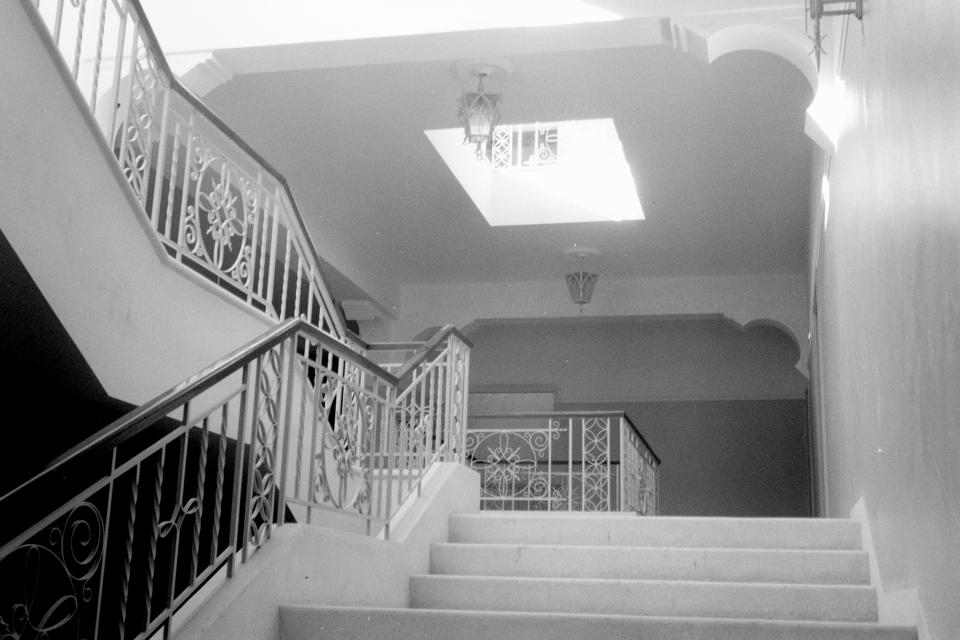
(580, 285)
(479, 113)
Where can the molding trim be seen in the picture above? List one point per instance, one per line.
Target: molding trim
(900, 607)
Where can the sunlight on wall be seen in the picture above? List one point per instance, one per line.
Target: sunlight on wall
(832, 110)
(825, 194)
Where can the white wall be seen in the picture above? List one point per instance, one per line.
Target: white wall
(778, 298)
(65, 211)
(890, 300)
(315, 566)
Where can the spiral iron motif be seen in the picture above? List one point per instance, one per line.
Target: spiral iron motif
(596, 456)
(138, 130)
(339, 477)
(457, 425)
(59, 570)
(220, 221)
(507, 462)
(265, 437)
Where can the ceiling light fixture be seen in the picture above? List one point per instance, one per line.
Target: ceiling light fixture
(581, 283)
(479, 111)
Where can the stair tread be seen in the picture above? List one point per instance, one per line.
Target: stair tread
(502, 515)
(791, 566)
(810, 624)
(630, 530)
(614, 548)
(707, 583)
(854, 603)
(523, 624)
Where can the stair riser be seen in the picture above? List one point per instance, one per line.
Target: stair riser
(645, 598)
(769, 533)
(740, 565)
(376, 624)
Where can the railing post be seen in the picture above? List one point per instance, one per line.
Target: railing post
(448, 396)
(393, 417)
(107, 522)
(464, 415)
(243, 417)
(570, 463)
(549, 464)
(290, 349)
(609, 482)
(621, 472)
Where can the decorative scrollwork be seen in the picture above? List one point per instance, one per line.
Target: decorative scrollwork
(507, 461)
(180, 513)
(339, 478)
(525, 145)
(219, 224)
(262, 494)
(456, 414)
(596, 458)
(138, 135)
(57, 577)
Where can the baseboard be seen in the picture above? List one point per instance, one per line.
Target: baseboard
(894, 606)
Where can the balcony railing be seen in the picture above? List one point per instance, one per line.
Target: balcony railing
(218, 209)
(113, 537)
(562, 462)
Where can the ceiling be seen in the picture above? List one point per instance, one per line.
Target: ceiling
(717, 151)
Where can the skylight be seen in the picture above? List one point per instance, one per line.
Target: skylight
(189, 25)
(546, 173)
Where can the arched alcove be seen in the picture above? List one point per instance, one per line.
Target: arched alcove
(722, 405)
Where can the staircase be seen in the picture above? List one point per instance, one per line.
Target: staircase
(557, 576)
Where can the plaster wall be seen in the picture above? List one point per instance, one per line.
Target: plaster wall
(636, 359)
(67, 212)
(312, 565)
(780, 298)
(889, 300)
(734, 458)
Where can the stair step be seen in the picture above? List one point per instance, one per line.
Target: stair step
(646, 598)
(354, 623)
(652, 563)
(630, 530)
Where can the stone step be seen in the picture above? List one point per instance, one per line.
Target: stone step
(676, 532)
(339, 623)
(646, 598)
(652, 563)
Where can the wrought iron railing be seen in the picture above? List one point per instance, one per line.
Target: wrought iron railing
(562, 462)
(218, 208)
(114, 536)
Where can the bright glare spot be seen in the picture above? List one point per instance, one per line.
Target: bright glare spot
(825, 193)
(832, 109)
(590, 182)
(189, 25)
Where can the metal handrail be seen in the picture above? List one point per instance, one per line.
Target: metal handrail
(567, 414)
(298, 422)
(527, 465)
(642, 439)
(160, 91)
(332, 309)
(129, 425)
(423, 353)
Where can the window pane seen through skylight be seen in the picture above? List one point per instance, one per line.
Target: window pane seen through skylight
(545, 173)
